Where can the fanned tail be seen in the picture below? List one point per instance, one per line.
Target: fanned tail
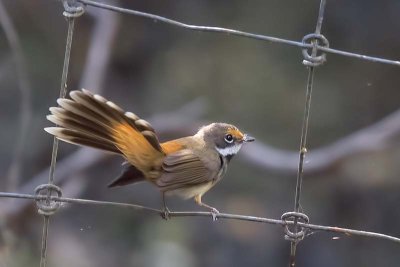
(91, 120)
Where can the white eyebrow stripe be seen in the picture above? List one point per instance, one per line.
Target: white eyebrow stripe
(229, 150)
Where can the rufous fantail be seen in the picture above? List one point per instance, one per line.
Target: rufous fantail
(187, 166)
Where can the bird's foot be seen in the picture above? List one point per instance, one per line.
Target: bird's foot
(214, 211)
(214, 214)
(165, 214)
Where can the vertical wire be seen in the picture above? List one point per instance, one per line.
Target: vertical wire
(303, 150)
(304, 132)
(63, 90)
(43, 252)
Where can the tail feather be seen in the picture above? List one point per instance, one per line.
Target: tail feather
(109, 110)
(83, 112)
(83, 139)
(92, 120)
(84, 126)
(98, 106)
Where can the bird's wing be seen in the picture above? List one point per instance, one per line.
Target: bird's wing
(184, 169)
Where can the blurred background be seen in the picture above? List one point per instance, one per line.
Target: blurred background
(179, 80)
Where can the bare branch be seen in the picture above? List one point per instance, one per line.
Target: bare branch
(371, 138)
(14, 171)
(99, 52)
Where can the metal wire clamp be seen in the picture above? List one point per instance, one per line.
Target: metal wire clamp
(313, 60)
(73, 8)
(44, 202)
(292, 234)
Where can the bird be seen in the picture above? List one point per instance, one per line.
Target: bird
(187, 166)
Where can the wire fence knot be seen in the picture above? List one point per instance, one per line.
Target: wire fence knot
(289, 219)
(314, 60)
(44, 202)
(73, 8)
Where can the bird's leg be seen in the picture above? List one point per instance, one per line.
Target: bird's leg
(165, 210)
(214, 211)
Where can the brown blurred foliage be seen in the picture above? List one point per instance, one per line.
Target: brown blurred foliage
(153, 69)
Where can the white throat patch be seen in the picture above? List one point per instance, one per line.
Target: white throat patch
(229, 151)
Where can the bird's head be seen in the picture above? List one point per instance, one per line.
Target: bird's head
(227, 139)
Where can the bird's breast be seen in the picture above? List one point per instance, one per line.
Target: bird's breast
(189, 192)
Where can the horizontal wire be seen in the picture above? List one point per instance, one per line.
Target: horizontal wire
(204, 214)
(238, 33)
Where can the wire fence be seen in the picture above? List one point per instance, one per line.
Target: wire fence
(296, 226)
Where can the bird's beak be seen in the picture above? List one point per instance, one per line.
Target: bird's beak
(248, 138)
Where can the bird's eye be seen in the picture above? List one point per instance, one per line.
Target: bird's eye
(229, 138)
